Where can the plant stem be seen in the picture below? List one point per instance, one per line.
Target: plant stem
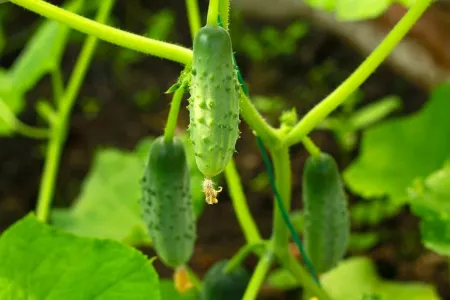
(108, 33)
(224, 11)
(338, 96)
(258, 276)
(213, 12)
(171, 124)
(282, 170)
(267, 133)
(237, 259)
(10, 119)
(59, 128)
(299, 272)
(240, 206)
(310, 146)
(58, 85)
(193, 16)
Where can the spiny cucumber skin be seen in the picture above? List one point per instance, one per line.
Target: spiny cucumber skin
(166, 202)
(327, 223)
(214, 103)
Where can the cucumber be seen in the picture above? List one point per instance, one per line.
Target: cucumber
(166, 202)
(218, 285)
(327, 223)
(214, 102)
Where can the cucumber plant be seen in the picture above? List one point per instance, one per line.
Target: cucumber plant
(219, 99)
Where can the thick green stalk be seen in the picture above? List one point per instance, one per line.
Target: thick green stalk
(338, 96)
(299, 272)
(240, 206)
(59, 128)
(171, 124)
(258, 276)
(193, 16)
(213, 12)
(282, 169)
(108, 33)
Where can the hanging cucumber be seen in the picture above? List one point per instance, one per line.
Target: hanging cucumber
(166, 202)
(327, 224)
(214, 104)
(218, 285)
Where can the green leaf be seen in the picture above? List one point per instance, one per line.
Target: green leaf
(41, 262)
(42, 53)
(395, 152)
(430, 200)
(108, 206)
(356, 277)
(169, 292)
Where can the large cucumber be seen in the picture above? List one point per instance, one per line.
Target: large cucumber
(166, 202)
(214, 102)
(327, 224)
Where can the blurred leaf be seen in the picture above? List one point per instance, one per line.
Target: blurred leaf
(430, 200)
(169, 292)
(108, 206)
(374, 112)
(41, 262)
(356, 277)
(395, 152)
(372, 212)
(363, 241)
(42, 53)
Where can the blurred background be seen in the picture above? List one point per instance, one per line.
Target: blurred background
(290, 56)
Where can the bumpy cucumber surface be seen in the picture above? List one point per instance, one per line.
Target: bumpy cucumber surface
(327, 224)
(166, 202)
(214, 102)
(218, 285)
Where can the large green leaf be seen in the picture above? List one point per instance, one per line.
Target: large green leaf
(108, 206)
(430, 200)
(395, 152)
(42, 53)
(40, 262)
(357, 277)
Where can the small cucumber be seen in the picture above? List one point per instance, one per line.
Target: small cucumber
(166, 202)
(218, 285)
(327, 224)
(214, 103)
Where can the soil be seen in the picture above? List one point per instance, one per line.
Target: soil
(121, 123)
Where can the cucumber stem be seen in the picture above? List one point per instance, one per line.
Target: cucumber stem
(171, 124)
(224, 11)
(370, 64)
(59, 128)
(213, 12)
(193, 16)
(241, 255)
(239, 201)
